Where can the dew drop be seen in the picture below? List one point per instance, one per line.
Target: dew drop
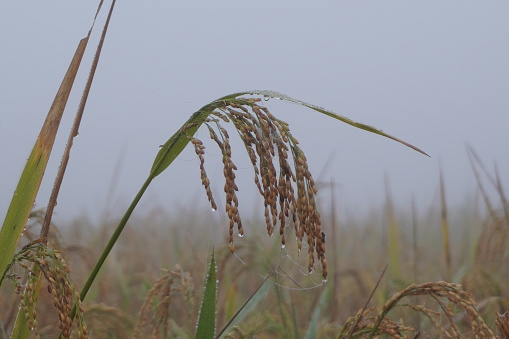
(324, 281)
(241, 235)
(161, 146)
(213, 209)
(266, 97)
(283, 246)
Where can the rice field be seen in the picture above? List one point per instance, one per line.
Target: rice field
(152, 283)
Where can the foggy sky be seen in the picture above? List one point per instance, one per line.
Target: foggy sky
(432, 73)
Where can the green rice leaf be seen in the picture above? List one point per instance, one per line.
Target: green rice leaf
(30, 181)
(176, 144)
(206, 327)
(277, 95)
(313, 327)
(248, 307)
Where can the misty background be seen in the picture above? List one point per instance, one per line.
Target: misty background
(433, 73)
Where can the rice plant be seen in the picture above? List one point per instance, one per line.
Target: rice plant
(170, 307)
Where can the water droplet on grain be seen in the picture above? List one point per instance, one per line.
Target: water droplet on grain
(241, 235)
(213, 209)
(283, 246)
(324, 281)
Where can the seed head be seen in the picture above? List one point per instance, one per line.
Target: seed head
(288, 190)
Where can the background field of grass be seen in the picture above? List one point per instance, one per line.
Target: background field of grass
(359, 247)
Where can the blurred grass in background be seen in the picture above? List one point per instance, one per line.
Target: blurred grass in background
(359, 247)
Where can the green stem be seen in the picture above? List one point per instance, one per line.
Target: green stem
(112, 241)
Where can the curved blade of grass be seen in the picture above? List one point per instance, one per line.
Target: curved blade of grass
(281, 96)
(248, 306)
(393, 240)
(313, 330)
(176, 144)
(30, 181)
(75, 126)
(445, 229)
(206, 327)
(31, 178)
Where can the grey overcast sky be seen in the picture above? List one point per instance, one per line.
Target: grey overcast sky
(434, 73)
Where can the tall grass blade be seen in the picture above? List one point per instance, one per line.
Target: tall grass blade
(500, 191)
(206, 327)
(393, 238)
(30, 181)
(313, 326)
(445, 229)
(415, 244)
(247, 307)
(474, 159)
(287, 315)
(75, 127)
(336, 232)
(415, 256)
(495, 181)
(354, 327)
